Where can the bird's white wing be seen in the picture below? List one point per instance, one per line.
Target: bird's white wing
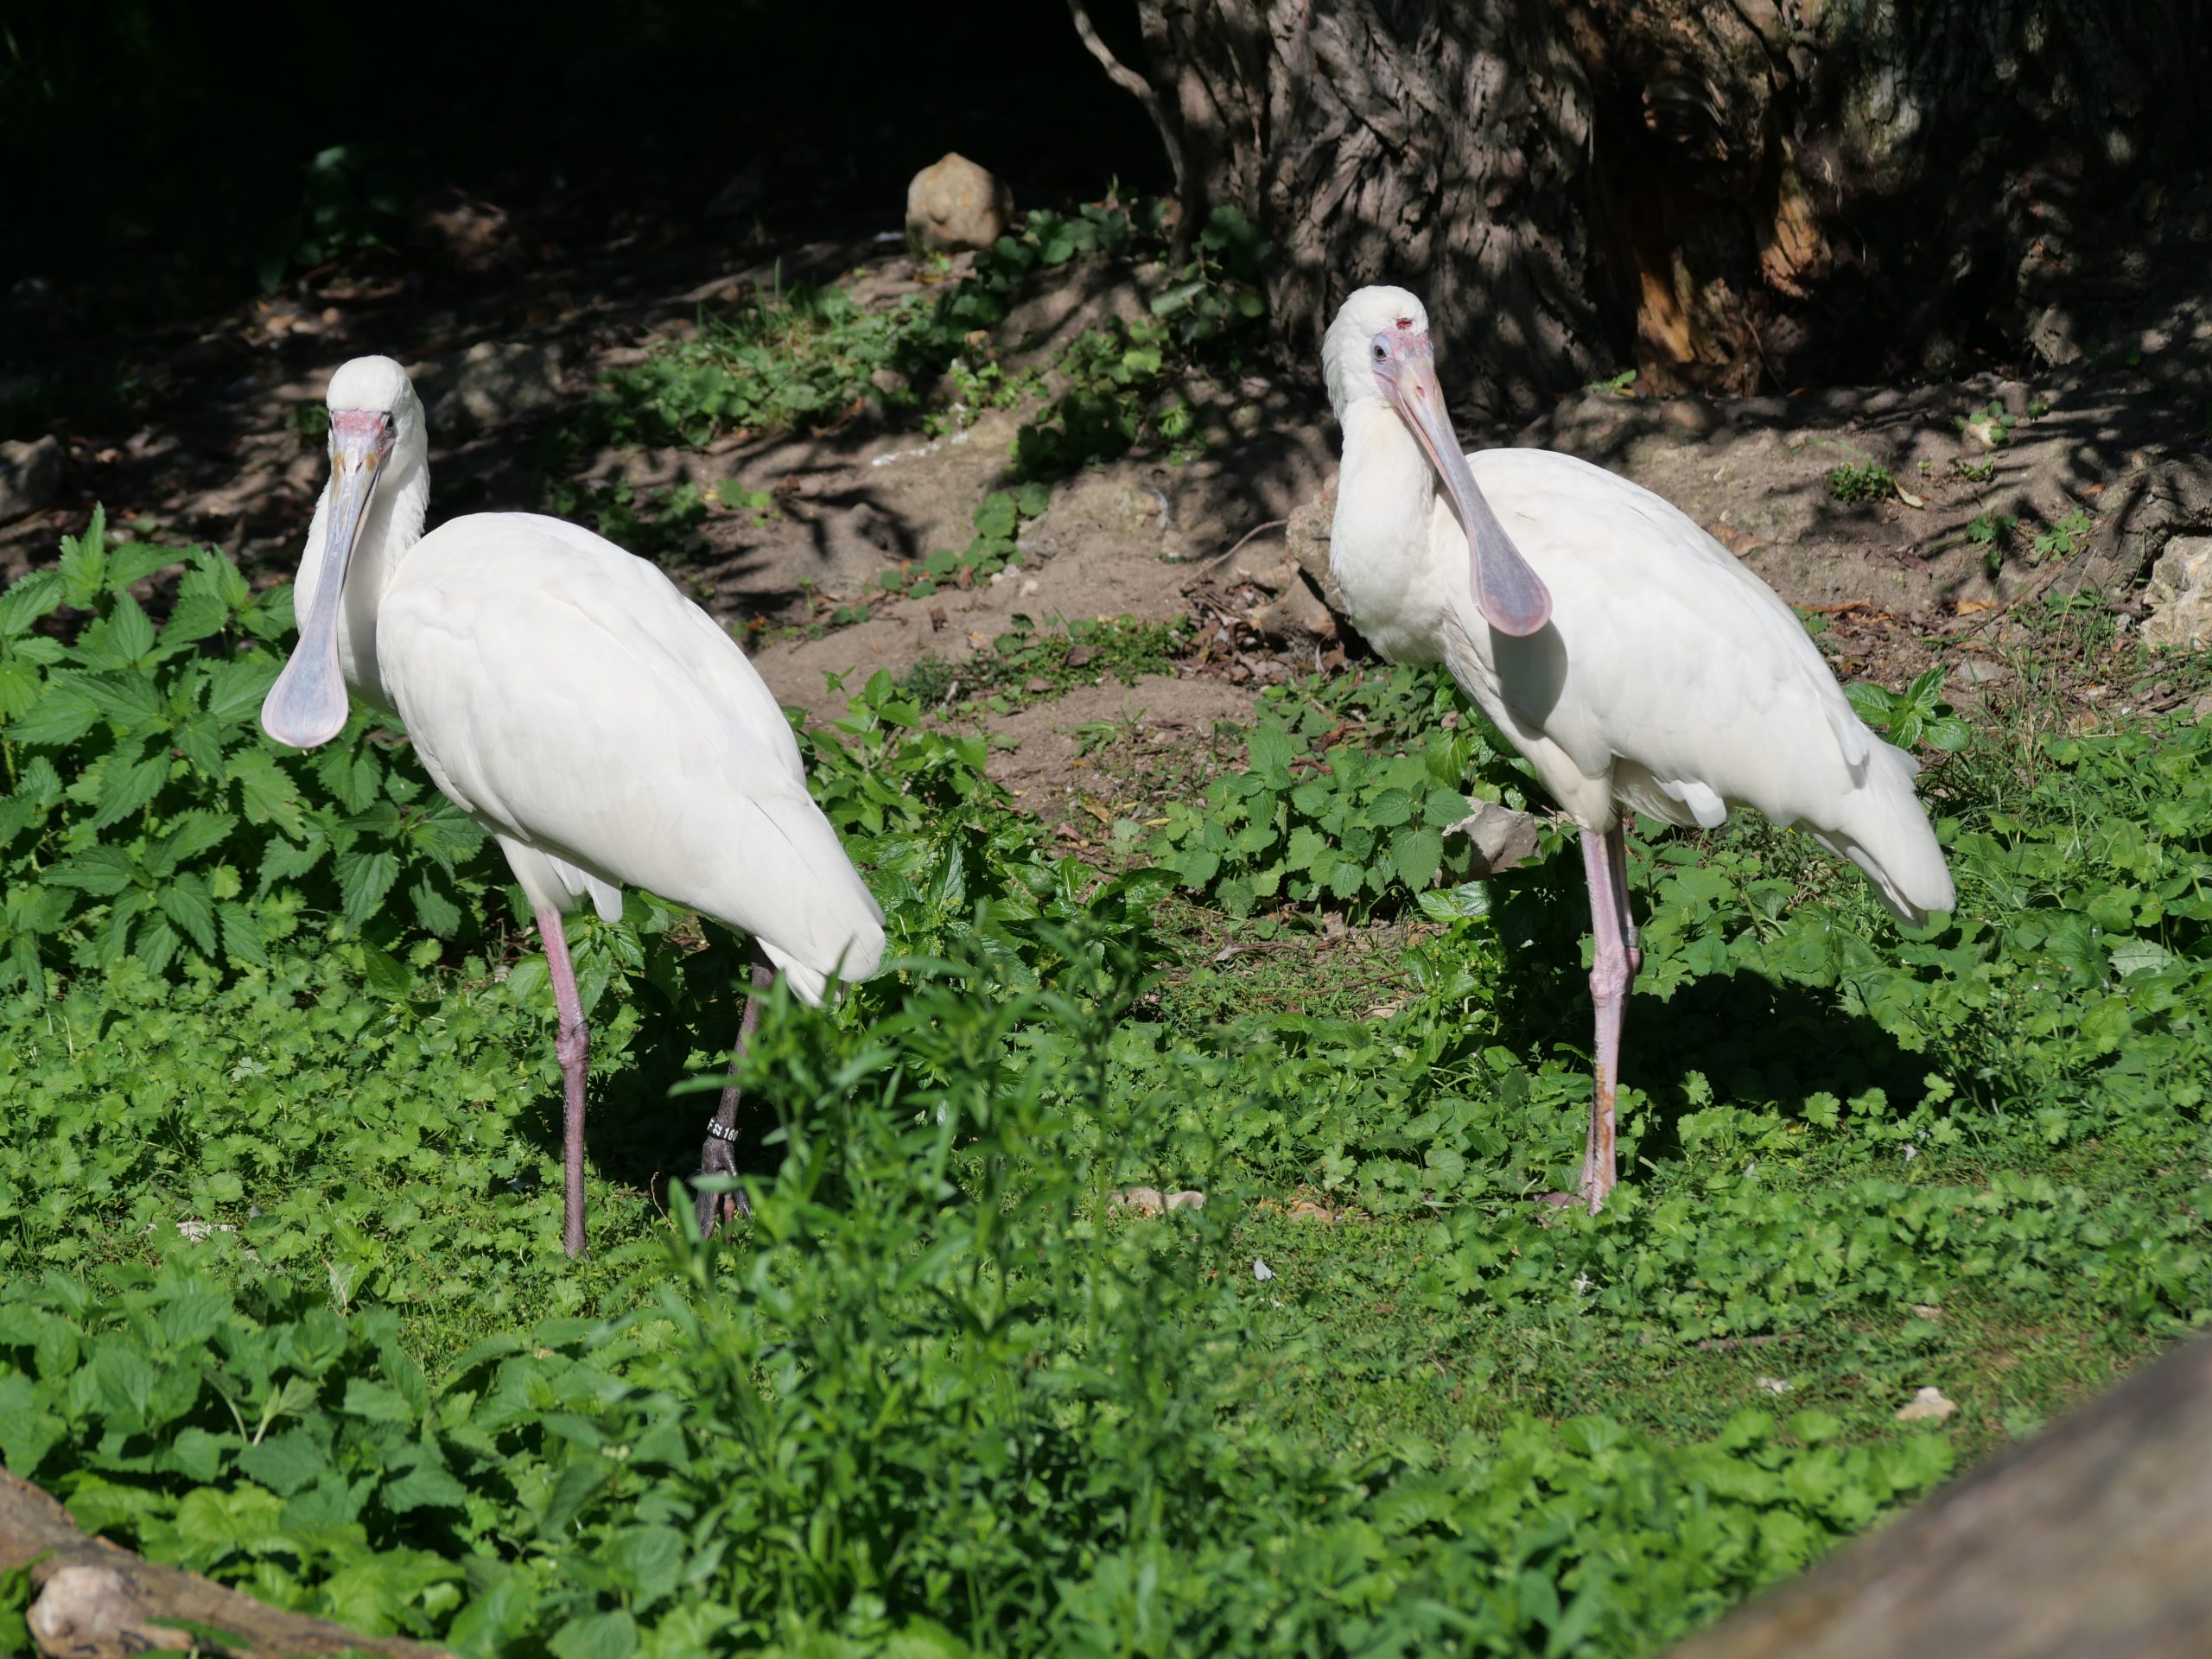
(1676, 674)
(570, 698)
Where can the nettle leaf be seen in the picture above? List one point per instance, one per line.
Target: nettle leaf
(437, 912)
(243, 937)
(352, 775)
(1873, 704)
(199, 741)
(101, 871)
(363, 880)
(597, 1636)
(23, 602)
(377, 1402)
(135, 561)
(1390, 809)
(63, 712)
(127, 786)
(83, 564)
(265, 792)
(282, 860)
(285, 1463)
(128, 700)
(195, 617)
(1948, 733)
(156, 945)
(185, 901)
(120, 639)
(19, 684)
(196, 832)
(1469, 902)
(1926, 687)
(1271, 747)
(236, 688)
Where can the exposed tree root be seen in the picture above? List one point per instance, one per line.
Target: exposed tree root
(94, 1601)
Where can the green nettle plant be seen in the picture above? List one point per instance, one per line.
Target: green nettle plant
(147, 816)
(1346, 807)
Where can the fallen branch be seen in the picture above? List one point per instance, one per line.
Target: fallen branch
(92, 1600)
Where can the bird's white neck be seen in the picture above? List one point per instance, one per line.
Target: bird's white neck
(391, 526)
(1381, 544)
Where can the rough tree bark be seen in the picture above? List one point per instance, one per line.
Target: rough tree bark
(1726, 192)
(2094, 1539)
(94, 1601)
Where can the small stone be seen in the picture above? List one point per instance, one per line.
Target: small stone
(1929, 1406)
(1928, 1310)
(1310, 1210)
(2179, 596)
(31, 476)
(1502, 838)
(1979, 670)
(2050, 336)
(956, 205)
(1261, 1271)
(1296, 614)
(1772, 1384)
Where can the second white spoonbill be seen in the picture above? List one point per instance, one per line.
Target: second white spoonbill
(1629, 656)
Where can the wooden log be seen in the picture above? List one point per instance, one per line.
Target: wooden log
(92, 1600)
(2094, 1539)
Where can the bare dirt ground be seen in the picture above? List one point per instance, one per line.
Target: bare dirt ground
(1902, 576)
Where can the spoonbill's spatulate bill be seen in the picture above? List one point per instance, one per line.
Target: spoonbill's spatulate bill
(1627, 653)
(563, 693)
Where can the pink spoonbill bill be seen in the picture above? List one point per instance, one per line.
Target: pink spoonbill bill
(1634, 662)
(605, 729)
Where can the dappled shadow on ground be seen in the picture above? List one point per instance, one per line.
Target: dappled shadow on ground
(1983, 467)
(1737, 1037)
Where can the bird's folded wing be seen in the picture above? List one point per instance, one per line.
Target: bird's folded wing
(568, 697)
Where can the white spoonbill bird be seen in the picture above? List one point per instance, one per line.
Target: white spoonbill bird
(1621, 649)
(603, 728)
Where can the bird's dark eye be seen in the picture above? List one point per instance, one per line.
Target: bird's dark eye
(1380, 353)
(387, 420)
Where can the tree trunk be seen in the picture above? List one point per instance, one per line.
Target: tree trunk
(1728, 194)
(2094, 1539)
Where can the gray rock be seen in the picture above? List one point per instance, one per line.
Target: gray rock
(2179, 595)
(956, 205)
(489, 385)
(1502, 838)
(1306, 535)
(31, 476)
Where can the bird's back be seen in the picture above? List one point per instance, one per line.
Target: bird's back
(566, 695)
(1672, 680)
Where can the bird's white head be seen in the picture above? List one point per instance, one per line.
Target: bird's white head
(376, 430)
(1378, 351)
(1348, 362)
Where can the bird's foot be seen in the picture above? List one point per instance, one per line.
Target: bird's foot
(715, 1157)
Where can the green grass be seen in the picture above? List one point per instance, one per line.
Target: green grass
(282, 1298)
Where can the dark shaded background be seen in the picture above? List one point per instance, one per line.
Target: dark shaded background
(159, 160)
